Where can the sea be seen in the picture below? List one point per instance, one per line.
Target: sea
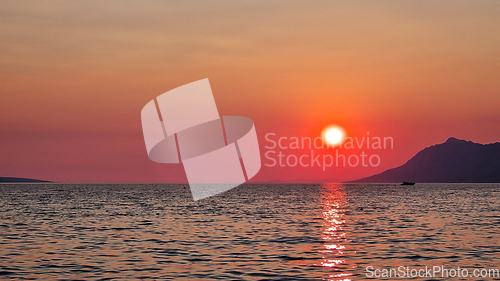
(329, 231)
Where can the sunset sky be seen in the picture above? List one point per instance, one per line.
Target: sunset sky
(75, 76)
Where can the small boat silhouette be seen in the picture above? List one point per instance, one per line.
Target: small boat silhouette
(407, 183)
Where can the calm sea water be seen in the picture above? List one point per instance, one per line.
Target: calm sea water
(253, 232)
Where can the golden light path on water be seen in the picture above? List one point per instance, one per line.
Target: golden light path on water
(334, 202)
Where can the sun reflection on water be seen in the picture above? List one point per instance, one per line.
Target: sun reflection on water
(334, 204)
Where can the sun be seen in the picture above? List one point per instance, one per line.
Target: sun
(333, 135)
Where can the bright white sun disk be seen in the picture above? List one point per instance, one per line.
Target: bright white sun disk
(334, 135)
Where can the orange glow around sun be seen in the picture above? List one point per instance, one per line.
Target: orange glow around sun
(333, 134)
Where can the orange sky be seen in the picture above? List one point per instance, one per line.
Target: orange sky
(75, 76)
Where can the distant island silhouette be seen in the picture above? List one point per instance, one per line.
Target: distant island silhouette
(11, 179)
(454, 161)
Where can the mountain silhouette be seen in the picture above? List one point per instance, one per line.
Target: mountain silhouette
(454, 161)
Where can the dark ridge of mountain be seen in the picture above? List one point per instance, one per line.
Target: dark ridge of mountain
(11, 179)
(454, 161)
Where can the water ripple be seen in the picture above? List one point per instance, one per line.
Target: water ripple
(254, 232)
